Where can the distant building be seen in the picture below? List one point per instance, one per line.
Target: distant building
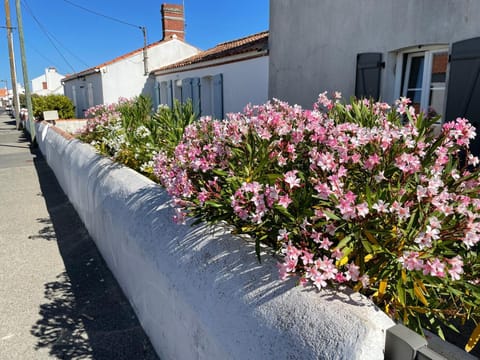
(4, 99)
(48, 83)
(129, 75)
(219, 80)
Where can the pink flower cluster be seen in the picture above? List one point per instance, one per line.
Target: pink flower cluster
(317, 270)
(100, 115)
(411, 261)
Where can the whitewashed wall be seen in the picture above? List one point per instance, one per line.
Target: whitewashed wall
(53, 80)
(126, 78)
(199, 292)
(244, 81)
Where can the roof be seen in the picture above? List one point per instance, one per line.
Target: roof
(256, 43)
(117, 59)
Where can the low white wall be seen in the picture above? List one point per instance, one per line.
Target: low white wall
(199, 292)
(71, 125)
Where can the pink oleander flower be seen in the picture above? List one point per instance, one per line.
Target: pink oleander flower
(456, 267)
(284, 200)
(434, 267)
(353, 272)
(410, 260)
(362, 209)
(372, 161)
(291, 179)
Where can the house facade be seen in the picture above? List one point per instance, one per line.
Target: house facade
(49, 83)
(427, 50)
(219, 80)
(129, 75)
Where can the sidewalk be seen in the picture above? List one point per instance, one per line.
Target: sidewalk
(58, 300)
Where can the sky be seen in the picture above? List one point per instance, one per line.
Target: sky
(61, 35)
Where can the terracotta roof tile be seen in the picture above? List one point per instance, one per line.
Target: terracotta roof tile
(255, 42)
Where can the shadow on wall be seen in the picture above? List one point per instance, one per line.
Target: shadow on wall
(189, 244)
(149, 90)
(85, 314)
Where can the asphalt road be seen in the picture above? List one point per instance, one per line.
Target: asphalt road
(58, 299)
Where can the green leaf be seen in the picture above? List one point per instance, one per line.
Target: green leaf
(401, 292)
(220, 172)
(284, 211)
(330, 214)
(344, 242)
(213, 204)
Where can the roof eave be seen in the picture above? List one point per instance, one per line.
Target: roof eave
(215, 62)
(81, 74)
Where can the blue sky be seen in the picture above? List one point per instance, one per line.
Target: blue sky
(84, 39)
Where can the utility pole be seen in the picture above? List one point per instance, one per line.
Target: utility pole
(25, 71)
(145, 54)
(13, 72)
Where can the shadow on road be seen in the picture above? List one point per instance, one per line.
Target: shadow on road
(85, 314)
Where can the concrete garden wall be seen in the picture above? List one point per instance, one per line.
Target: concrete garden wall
(199, 292)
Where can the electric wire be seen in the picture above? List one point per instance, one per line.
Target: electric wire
(47, 34)
(50, 61)
(103, 15)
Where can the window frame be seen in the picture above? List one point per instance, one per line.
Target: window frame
(402, 72)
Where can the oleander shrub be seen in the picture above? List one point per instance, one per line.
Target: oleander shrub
(360, 194)
(130, 133)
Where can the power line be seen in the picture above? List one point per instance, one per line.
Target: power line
(30, 46)
(45, 31)
(142, 28)
(103, 15)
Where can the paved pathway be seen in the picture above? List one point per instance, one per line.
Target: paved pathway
(58, 300)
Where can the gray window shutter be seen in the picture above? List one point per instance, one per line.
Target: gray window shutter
(170, 94)
(186, 89)
(218, 96)
(463, 94)
(196, 96)
(164, 91)
(369, 69)
(158, 94)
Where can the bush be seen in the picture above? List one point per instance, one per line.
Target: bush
(61, 103)
(361, 195)
(129, 133)
(171, 124)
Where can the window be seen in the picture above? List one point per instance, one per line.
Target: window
(212, 96)
(177, 90)
(206, 94)
(191, 91)
(423, 79)
(165, 96)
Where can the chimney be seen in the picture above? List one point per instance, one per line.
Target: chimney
(173, 21)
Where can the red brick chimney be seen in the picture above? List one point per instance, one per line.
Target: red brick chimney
(173, 21)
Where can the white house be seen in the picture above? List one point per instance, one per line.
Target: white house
(128, 75)
(49, 83)
(428, 50)
(219, 80)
